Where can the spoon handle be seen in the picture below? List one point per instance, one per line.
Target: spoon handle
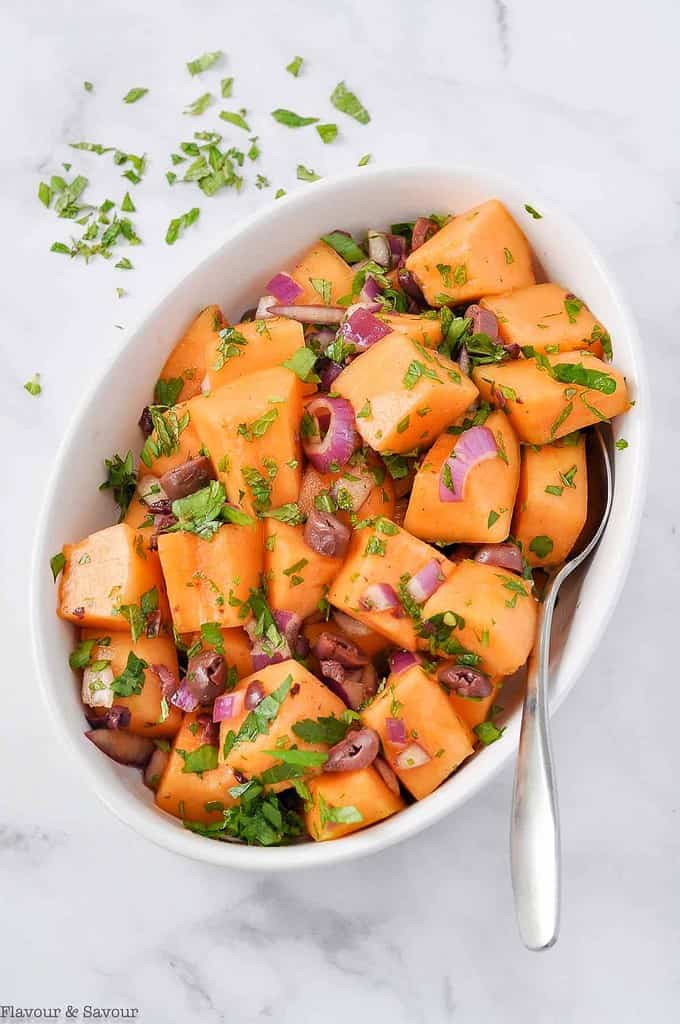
(534, 827)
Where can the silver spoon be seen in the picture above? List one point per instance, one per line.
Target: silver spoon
(534, 826)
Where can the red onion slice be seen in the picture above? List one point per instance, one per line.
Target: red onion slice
(336, 417)
(395, 730)
(398, 248)
(409, 284)
(425, 582)
(329, 373)
(184, 699)
(229, 705)
(311, 314)
(400, 661)
(503, 556)
(472, 447)
(263, 311)
(413, 756)
(483, 321)
(284, 288)
(363, 329)
(289, 623)
(370, 293)
(423, 229)
(261, 659)
(155, 768)
(379, 597)
(379, 249)
(168, 680)
(123, 747)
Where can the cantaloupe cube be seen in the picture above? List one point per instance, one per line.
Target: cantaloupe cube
(323, 265)
(251, 430)
(146, 714)
(252, 346)
(189, 795)
(188, 358)
(362, 790)
(425, 329)
(179, 442)
(139, 518)
(542, 408)
(303, 697)
(389, 555)
(552, 501)
(403, 393)
(484, 514)
(548, 318)
(481, 252)
(108, 569)
(487, 612)
(210, 580)
(297, 576)
(430, 721)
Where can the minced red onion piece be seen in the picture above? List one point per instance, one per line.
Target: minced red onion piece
(424, 583)
(311, 314)
(379, 249)
(289, 623)
(483, 321)
(503, 556)
(413, 756)
(228, 705)
(263, 311)
(398, 248)
(362, 328)
(168, 680)
(379, 597)
(340, 437)
(370, 292)
(284, 288)
(472, 447)
(409, 284)
(329, 373)
(423, 229)
(184, 699)
(396, 731)
(261, 659)
(402, 660)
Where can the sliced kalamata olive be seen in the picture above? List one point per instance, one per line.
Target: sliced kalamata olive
(353, 686)
(123, 747)
(206, 676)
(358, 749)
(254, 695)
(423, 229)
(145, 422)
(207, 731)
(115, 717)
(155, 768)
(331, 646)
(483, 321)
(326, 535)
(301, 648)
(465, 681)
(162, 507)
(386, 774)
(168, 680)
(188, 478)
(503, 556)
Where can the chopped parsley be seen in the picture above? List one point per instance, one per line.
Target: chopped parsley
(178, 224)
(57, 563)
(121, 479)
(259, 427)
(258, 721)
(202, 63)
(33, 386)
(291, 119)
(488, 732)
(131, 680)
(290, 513)
(327, 132)
(202, 759)
(306, 174)
(329, 730)
(347, 103)
(200, 105)
(534, 213)
(134, 94)
(345, 246)
(621, 444)
(295, 66)
(541, 546)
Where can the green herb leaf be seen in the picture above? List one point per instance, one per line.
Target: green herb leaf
(327, 132)
(259, 427)
(493, 518)
(178, 224)
(290, 513)
(211, 632)
(199, 512)
(364, 160)
(134, 94)
(202, 63)
(202, 759)
(488, 732)
(509, 258)
(258, 721)
(573, 307)
(260, 488)
(291, 119)
(346, 102)
(295, 66)
(534, 213)
(57, 563)
(541, 546)
(299, 758)
(345, 246)
(330, 815)
(621, 444)
(302, 364)
(305, 174)
(33, 386)
(200, 105)
(121, 479)
(574, 373)
(88, 86)
(235, 118)
(329, 730)
(131, 680)
(226, 86)
(168, 391)
(323, 288)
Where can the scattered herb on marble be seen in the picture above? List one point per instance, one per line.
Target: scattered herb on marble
(202, 63)
(345, 101)
(179, 224)
(134, 94)
(295, 66)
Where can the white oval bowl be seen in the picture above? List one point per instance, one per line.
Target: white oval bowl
(234, 277)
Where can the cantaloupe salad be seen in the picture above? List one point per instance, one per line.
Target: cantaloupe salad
(321, 571)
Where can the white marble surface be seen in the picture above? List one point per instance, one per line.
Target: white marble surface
(579, 100)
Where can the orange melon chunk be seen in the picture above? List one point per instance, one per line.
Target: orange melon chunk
(430, 721)
(403, 393)
(321, 263)
(252, 346)
(297, 576)
(188, 358)
(188, 795)
(484, 514)
(481, 252)
(362, 790)
(547, 317)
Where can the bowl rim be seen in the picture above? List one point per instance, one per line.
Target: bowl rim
(423, 814)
